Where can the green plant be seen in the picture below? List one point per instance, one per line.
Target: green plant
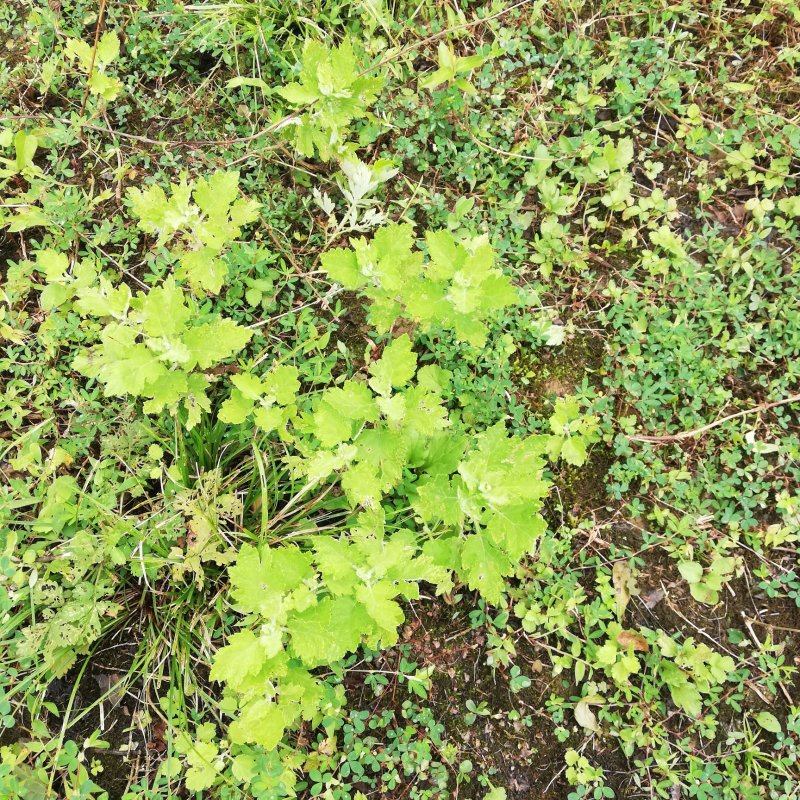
(457, 289)
(572, 432)
(695, 670)
(158, 349)
(580, 771)
(331, 92)
(95, 63)
(25, 147)
(451, 70)
(310, 607)
(603, 295)
(200, 218)
(705, 585)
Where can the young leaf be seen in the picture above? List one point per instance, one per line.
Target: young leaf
(484, 567)
(212, 342)
(395, 368)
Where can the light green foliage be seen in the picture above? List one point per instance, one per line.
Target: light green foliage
(604, 165)
(200, 218)
(79, 602)
(769, 722)
(331, 92)
(269, 400)
(156, 348)
(692, 671)
(580, 771)
(202, 755)
(451, 70)
(395, 369)
(572, 431)
(65, 282)
(21, 210)
(246, 488)
(211, 515)
(358, 183)
(458, 287)
(705, 585)
(156, 344)
(309, 608)
(618, 655)
(614, 157)
(97, 63)
(25, 146)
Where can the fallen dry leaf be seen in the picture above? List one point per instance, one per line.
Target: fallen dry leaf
(634, 640)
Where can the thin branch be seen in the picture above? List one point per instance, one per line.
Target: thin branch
(683, 435)
(94, 53)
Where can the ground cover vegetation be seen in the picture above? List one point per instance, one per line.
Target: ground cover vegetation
(399, 400)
